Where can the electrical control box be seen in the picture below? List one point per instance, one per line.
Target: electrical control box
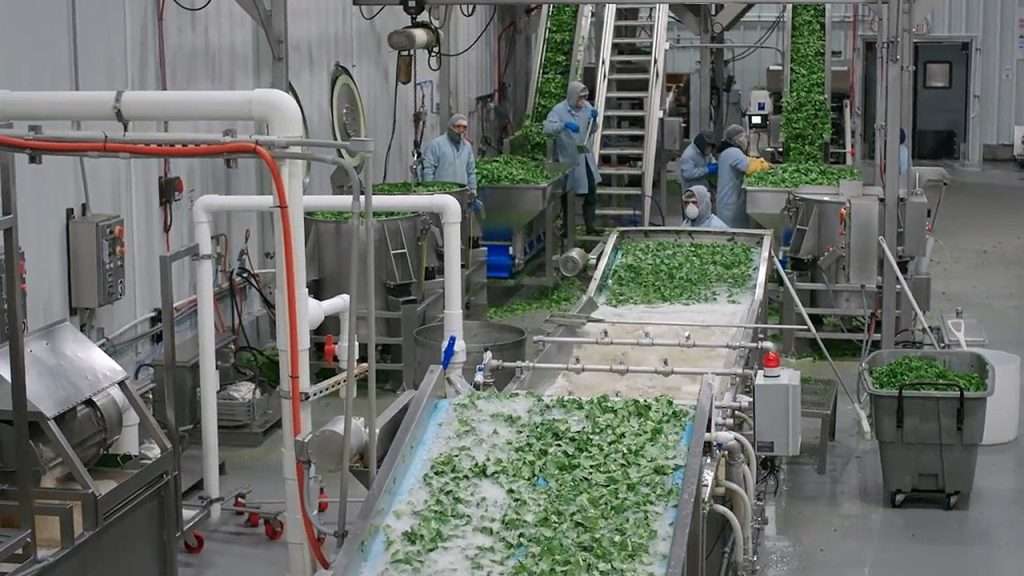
(777, 413)
(22, 284)
(96, 255)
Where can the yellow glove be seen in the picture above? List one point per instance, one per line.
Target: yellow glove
(755, 165)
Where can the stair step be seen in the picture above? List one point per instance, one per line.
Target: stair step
(620, 171)
(627, 113)
(634, 23)
(618, 212)
(627, 94)
(623, 132)
(632, 58)
(632, 41)
(619, 191)
(628, 76)
(623, 151)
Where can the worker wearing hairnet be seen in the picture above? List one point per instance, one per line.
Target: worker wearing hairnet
(569, 123)
(697, 209)
(449, 157)
(734, 167)
(696, 163)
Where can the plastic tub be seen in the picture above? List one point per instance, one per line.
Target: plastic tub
(928, 440)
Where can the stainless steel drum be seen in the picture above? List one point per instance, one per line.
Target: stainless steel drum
(505, 343)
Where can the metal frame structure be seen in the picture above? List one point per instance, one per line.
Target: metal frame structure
(22, 539)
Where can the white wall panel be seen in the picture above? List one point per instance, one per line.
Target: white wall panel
(217, 48)
(992, 22)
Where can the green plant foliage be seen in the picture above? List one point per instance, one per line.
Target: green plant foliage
(392, 189)
(914, 369)
(585, 484)
(807, 123)
(509, 169)
(560, 298)
(667, 272)
(263, 364)
(795, 175)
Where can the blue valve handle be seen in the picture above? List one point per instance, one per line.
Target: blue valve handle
(449, 352)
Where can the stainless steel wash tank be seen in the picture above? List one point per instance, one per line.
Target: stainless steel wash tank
(404, 461)
(362, 552)
(702, 325)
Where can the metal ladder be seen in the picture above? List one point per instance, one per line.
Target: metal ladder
(401, 260)
(630, 82)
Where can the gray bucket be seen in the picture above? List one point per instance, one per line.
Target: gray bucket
(505, 343)
(928, 441)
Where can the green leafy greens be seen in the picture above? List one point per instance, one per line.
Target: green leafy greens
(668, 272)
(577, 487)
(917, 369)
(509, 169)
(792, 176)
(558, 298)
(807, 121)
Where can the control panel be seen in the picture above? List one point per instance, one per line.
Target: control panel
(96, 256)
(22, 284)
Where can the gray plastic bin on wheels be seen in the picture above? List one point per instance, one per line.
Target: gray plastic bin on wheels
(928, 440)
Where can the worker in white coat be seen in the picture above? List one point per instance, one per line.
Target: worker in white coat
(697, 163)
(569, 124)
(449, 157)
(697, 209)
(734, 167)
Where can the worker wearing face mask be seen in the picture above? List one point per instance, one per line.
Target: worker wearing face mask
(569, 123)
(734, 167)
(449, 157)
(697, 209)
(696, 163)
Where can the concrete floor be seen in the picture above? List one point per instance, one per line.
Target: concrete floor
(835, 524)
(838, 524)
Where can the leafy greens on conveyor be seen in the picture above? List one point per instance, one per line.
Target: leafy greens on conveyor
(651, 272)
(792, 175)
(553, 80)
(392, 189)
(807, 121)
(926, 370)
(558, 298)
(580, 486)
(509, 169)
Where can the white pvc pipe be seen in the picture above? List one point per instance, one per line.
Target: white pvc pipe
(318, 310)
(451, 220)
(282, 116)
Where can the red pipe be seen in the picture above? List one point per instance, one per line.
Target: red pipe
(289, 259)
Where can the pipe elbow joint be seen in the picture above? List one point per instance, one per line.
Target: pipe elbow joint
(279, 110)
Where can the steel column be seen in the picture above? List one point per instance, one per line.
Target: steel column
(898, 29)
(19, 398)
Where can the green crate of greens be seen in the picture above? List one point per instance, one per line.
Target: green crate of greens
(928, 408)
(791, 176)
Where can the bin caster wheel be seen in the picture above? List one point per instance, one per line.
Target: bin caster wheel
(194, 543)
(322, 504)
(952, 500)
(252, 520)
(273, 528)
(239, 504)
(897, 499)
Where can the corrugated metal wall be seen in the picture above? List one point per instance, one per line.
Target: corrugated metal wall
(992, 22)
(218, 48)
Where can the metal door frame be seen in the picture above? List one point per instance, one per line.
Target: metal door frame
(973, 150)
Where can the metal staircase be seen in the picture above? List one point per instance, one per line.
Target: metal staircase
(630, 83)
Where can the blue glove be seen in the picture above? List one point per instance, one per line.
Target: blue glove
(572, 127)
(712, 168)
(593, 113)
